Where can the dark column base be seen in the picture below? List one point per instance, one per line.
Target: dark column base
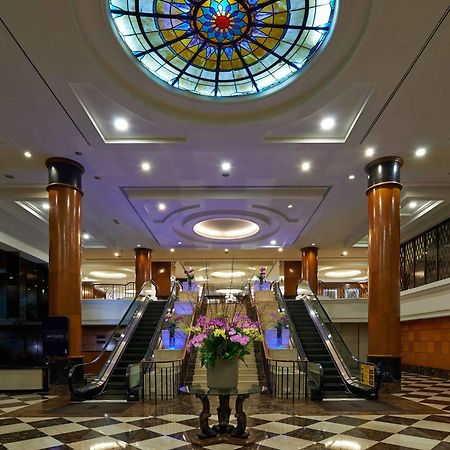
(390, 371)
(58, 371)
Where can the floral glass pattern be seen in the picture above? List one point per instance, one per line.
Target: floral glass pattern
(223, 47)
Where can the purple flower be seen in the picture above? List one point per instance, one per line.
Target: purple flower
(242, 340)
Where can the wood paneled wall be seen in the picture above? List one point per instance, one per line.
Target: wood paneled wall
(426, 343)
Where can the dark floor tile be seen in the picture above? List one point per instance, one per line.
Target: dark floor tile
(397, 420)
(9, 421)
(442, 446)
(439, 418)
(310, 435)
(49, 422)
(347, 420)
(21, 436)
(76, 436)
(59, 447)
(299, 421)
(367, 433)
(254, 422)
(94, 423)
(135, 436)
(425, 433)
(315, 447)
(384, 446)
(151, 422)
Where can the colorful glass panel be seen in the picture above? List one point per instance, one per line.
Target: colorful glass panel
(223, 47)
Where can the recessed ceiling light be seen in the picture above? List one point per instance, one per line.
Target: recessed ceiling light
(107, 274)
(273, 242)
(86, 236)
(342, 273)
(420, 152)
(228, 274)
(226, 166)
(313, 244)
(328, 123)
(145, 166)
(370, 151)
(27, 155)
(172, 250)
(280, 249)
(226, 228)
(161, 206)
(345, 253)
(121, 124)
(226, 250)
(45, 206)
(179, 242)
(138, 245)
(412, 205)
(351, 177)
(116, 254)
(306, 166)
(290, 206)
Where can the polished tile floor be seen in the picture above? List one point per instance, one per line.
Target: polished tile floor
(409, 420)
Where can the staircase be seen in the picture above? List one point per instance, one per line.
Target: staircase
(315, 349)
(134, 352)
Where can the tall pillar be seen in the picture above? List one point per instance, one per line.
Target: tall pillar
(64, 198)
(384, 268)
(143, 266)
(309, 266)
(292, 275)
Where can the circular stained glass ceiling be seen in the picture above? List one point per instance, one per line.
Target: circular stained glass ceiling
(223, 47)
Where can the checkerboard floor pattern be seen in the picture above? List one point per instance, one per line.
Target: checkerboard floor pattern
(10, 403)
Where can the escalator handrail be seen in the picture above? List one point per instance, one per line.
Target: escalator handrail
(141, 293)
(334, 352)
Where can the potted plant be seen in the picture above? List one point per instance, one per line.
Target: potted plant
(281, 322)
(190, 277)
(171, 321)
(261, 276)
(222, 342)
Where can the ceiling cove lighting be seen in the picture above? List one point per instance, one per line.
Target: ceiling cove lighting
(226, 228)
(145, 166)
(107, 274)
(327, 123)
(121, 124)
(27, 155)
(228, 274)
(421, 152)
(342, 273)
(306, 166)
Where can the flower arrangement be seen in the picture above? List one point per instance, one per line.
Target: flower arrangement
(262, 275)
(189, 275)
(224, 338)
(172, 320)
(280, 320)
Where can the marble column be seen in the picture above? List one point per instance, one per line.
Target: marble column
(143, 266)
(384, 268)
(309, 266)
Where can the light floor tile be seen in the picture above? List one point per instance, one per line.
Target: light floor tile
(342, 442)
(170, 428)
(116, 428)
(13, 408)
(63, 428)
(177, 417)
(276, 427)
(103, 443)
(320, 417)
(365, 416)
(223, 447)
(404, 440)
(160, 443)
(433, 405)
(9, 400)
(383, 426)
(286, 443)
(413, 416)
(127, 419)
(36, 419)
(271, 417)
(430, 425)
(34, 444)
(14, 428)
(331, 427)
(82, 419)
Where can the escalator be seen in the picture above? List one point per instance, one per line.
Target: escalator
(342, 373)
(128, 344)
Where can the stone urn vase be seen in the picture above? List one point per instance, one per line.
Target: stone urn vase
(224, 375)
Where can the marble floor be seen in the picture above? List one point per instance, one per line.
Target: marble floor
(417, 418)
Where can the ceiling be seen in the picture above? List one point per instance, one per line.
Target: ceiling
(65, 78)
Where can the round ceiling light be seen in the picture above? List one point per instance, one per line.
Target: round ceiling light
(229, 291)
(226, 228)
(342, 273)
(108, 274)
(223, 48)
(228, 274)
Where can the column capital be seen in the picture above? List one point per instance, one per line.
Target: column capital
(382, 171)
(64, 172)
(142, 249)
(312, 249)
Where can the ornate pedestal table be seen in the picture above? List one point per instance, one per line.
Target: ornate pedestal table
(222, 432)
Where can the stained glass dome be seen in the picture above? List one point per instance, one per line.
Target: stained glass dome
(223, 47)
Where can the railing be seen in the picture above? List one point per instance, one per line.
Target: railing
(108, 291)
(339, 291)
(426, 258)
(348, 366)
(160, 380)
(116, 343)
(284, 378)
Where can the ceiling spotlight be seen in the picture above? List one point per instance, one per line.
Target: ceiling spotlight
(27, 155)
(412, 205)
(162, 207)
(121, 124)
(420, 152)
(179, 242)
(86, 236)
(345, 253)
(226, 250)
(145, 166)
(273, 242)
(351, 177)
(226, 166)
(328, 123)
(306, 166)
(290, 206)
(116, 254)
(138, 245)
(172, 250)
(313, 244)
(280, 249)
(45, 206)
(370, 152)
